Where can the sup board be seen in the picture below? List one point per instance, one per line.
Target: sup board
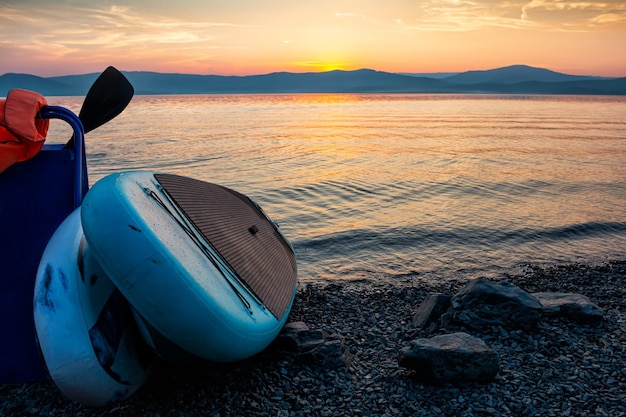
(88, 338)
(206, 271)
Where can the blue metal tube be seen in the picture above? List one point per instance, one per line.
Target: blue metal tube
(57, 112)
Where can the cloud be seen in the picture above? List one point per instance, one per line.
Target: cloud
(58, 32)
(575, 14)
(463, 15)
(612, 18)
(466, 15)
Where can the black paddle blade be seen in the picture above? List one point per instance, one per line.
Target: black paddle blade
(108, 96)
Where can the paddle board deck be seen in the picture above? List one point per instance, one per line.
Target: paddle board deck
(201, 264)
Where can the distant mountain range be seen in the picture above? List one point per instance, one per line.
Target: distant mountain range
(515, 79)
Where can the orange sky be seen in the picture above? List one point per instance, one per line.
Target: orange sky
(242, 37)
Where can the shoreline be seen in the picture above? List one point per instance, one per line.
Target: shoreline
(562, 368)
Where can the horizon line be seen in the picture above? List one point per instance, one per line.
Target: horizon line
(406, 73)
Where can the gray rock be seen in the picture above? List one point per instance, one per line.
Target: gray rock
(486, 303)
(327, 350)
(456, 357)
(430, 310)
(332, 354)
(576, 307)
(297, 337)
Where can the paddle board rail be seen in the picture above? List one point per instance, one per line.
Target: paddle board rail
(210, 252)
(89, 341)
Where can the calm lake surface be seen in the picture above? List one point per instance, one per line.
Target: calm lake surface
(396, 187)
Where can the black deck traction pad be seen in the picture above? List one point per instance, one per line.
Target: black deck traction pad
(242, 235)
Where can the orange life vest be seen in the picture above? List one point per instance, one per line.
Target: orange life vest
(22, 134)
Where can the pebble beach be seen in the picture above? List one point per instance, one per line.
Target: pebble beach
(560, 369)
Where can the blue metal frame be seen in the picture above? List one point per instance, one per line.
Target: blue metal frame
(35, 197)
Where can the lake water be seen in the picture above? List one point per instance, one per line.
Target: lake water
(396, 187)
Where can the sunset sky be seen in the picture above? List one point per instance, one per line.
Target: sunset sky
(239, 37)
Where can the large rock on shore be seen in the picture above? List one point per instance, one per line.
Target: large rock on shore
(575, 307)
(486, 303)
(456, 357)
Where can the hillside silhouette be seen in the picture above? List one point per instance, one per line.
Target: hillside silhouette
(515, 79)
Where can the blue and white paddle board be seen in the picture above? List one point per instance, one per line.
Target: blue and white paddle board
(88, 338)
(204, 268)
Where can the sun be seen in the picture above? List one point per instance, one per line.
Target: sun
(331, 67)
(321, 66)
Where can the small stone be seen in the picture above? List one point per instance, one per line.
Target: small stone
(297, 337)
(430, 310)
